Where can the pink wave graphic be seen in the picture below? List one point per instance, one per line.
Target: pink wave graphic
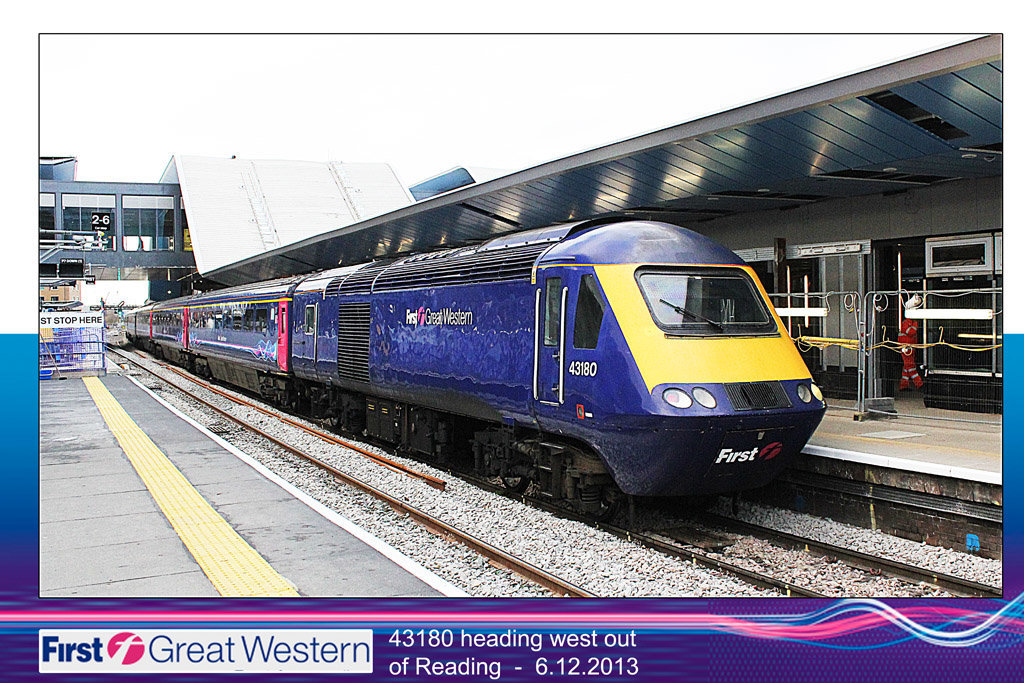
(939, 624)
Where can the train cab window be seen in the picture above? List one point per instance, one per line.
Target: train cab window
(705, 302)
(552, 311)
(310, 326)
(247, 320)
(261, 320)
(589, 314)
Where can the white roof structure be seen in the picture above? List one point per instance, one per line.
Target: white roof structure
(239, 208)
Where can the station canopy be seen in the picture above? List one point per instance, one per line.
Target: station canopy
(917, 122)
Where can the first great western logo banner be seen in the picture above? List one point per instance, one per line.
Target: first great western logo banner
(206, 651)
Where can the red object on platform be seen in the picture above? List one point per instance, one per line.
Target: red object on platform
(907, 336)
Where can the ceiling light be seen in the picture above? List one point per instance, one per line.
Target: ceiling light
(949, 313)
(808, 312)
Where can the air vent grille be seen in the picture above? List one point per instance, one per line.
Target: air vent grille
(334, 285)
(757, 395)
(360, 281)
(499, 265)
(354, 341)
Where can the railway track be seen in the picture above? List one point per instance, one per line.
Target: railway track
(870, 563)
(953, 584)
(659, 543)
(492, 553)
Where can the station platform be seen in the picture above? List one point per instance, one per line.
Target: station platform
(933, 442)
(136, 500)
(926, 475)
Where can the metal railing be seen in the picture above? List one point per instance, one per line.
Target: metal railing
(71, 351)
(954, 362)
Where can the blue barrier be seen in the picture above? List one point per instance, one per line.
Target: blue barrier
(71, 351)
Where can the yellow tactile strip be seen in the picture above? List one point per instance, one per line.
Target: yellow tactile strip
(232, 565)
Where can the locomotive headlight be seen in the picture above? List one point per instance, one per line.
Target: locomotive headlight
(677, 397)
(817, 392)
(704, 397)
(804, 392)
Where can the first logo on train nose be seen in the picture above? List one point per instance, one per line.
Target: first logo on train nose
(727, 455)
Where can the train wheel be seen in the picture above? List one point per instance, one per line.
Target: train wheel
(516, 484)
(611, 503)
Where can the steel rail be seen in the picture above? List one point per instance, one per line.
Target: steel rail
(496, 555)
(430, 480)
(666, 547)
(954, 584)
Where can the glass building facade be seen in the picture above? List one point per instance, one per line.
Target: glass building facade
(89, 220)
(148, 223)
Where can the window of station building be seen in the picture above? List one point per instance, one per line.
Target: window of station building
(148, 223)
(47, 215)
(589, 314)
(89, 220)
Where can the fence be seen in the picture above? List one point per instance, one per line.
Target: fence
(930, 350)
(71, 345)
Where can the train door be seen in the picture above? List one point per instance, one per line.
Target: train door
(184, 327)
(305, 340)
(551, 298)
(282, 335)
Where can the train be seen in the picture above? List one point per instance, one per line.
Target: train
(595, 360)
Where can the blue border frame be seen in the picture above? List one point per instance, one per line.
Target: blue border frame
(691, 640)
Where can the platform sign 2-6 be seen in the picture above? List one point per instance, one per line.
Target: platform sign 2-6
(101, 220)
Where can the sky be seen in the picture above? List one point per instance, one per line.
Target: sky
(421, 103)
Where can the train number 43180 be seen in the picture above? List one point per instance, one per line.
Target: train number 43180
(582, 368)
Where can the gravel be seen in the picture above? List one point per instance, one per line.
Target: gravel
(936, 558)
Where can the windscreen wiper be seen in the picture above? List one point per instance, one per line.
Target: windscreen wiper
(683, 311)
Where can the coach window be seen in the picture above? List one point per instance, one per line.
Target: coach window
(552, 310)
(589, 314)
(310, 320)
(236, 319)
(261, 320)
(247, 322)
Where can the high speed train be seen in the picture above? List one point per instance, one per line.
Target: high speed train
(594, 358)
